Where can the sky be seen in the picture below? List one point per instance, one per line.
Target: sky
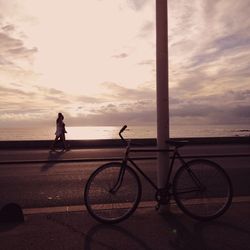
(95, 61)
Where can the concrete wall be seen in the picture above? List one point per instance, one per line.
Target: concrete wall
(45, 144)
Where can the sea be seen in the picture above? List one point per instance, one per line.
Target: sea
(111, 132)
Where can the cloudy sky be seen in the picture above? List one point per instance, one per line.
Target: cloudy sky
(95, 61)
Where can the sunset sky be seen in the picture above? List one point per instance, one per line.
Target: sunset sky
(94, 60)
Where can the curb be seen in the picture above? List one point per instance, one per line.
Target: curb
(79, 208)
(119, 159)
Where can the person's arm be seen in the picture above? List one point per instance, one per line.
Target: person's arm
(64, 130)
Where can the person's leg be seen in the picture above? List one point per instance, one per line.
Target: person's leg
(54, 142)
(63, 141)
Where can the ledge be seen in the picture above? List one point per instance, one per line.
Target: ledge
(116, 143)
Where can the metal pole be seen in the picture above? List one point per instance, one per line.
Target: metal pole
(162, 89)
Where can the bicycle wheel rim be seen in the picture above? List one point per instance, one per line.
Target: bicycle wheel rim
(109, 207)
(208, 202)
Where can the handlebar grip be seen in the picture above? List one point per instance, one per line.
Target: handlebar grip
(122, 129)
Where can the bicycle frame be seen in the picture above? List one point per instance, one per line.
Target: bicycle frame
(175, 155)
(126, 159)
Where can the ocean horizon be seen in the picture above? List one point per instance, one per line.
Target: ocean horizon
(111, 132)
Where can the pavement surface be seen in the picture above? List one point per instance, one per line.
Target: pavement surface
(73, 228)
(145, 229)
(94, 154)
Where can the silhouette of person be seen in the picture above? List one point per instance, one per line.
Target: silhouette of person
(60, 132)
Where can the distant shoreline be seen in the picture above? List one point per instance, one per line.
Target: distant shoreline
(111, 132)
(113, 143)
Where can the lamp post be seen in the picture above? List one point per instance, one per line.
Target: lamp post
(162, 89)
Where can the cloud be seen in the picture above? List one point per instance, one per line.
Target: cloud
(114, 91)
(26, 106)
(11, 92)
(3, 61)
(149, 62)
(123, 105)
(120, 56)
(137, 4)
(209, 109)
(109, 119)
(209, 60)
(117, 106)
(8, 28)
(13, 52)
(8, 42)
(22, 51)
(147, 29)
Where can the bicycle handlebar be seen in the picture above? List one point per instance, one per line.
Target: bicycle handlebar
(128, 141)
(123, 128)
(176, 144)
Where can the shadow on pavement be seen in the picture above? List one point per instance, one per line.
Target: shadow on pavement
(53, 156)
(101, 236)
(148, 230)
(218, 234)
(114, 236)
(8, 226)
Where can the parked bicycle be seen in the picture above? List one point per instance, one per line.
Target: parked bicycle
(201, 188)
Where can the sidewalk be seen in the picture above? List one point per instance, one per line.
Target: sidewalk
(98, 154)
(145, 229)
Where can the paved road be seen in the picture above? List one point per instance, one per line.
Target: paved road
(45, 155)
(48, 183)
(43, 185)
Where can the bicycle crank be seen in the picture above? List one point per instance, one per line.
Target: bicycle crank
(162, 197)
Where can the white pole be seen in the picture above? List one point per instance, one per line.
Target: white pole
(162, 89)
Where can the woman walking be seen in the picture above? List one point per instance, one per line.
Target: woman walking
(60, 132)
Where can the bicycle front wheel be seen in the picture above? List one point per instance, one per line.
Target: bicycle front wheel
(202, 189)
(111, 195)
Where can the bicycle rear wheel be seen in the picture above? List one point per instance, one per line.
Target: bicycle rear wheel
(202, 189)
(109, 199)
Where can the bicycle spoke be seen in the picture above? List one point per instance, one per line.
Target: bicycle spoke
(211, 182)
(110, 198)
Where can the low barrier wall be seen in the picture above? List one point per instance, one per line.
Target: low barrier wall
(113, 143)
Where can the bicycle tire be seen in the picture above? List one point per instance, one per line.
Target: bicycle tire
(108, 207)
(208, 202)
